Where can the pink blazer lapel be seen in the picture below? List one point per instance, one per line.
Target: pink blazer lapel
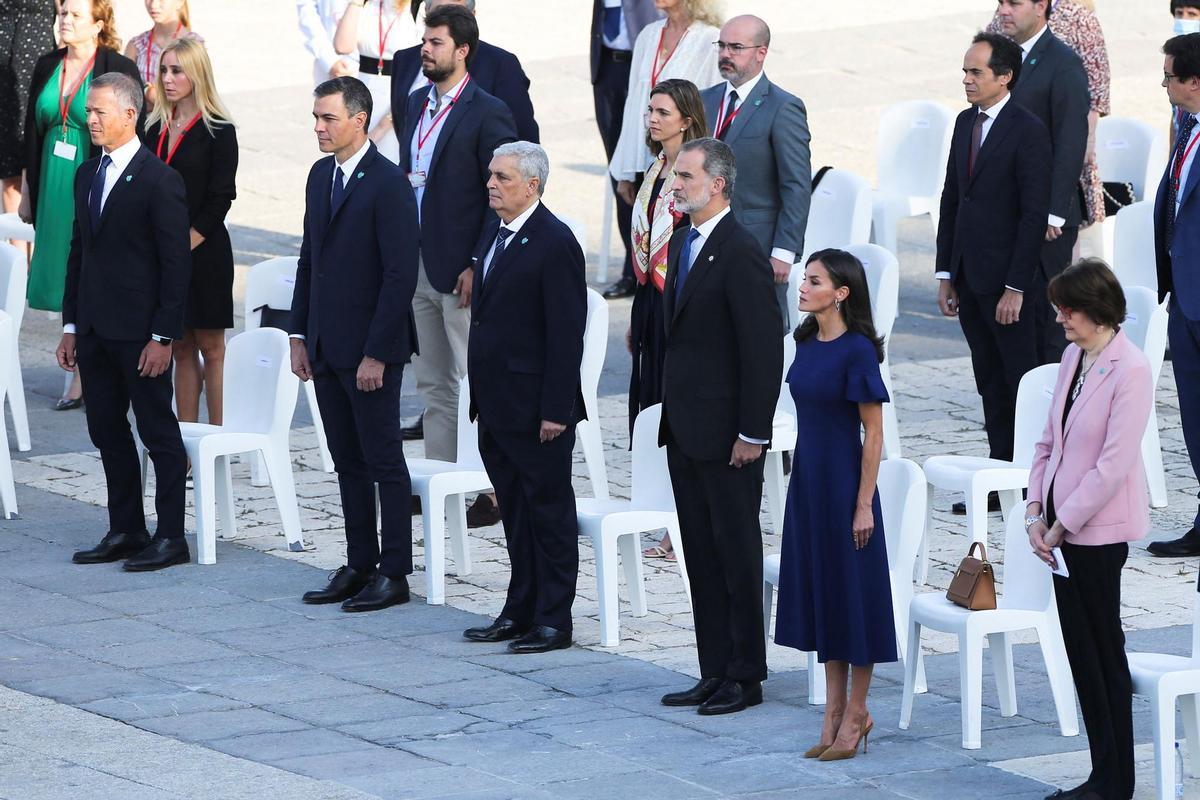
(1099, 373)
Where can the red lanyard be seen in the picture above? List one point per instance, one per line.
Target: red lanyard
(655, 69)
(150, 65)
(64, 107)
(723, 128)
(162, 137)
(383, 35)
(423, 138)
(1178, 168)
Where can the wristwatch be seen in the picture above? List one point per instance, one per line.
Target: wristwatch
(1030, 519)
(160, 339)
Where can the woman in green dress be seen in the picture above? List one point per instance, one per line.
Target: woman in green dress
(57, 142)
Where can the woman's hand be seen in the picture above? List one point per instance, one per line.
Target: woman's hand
(627, 191)
(1037, 541)
(196, 237)
(1054, 537)
(864, 526)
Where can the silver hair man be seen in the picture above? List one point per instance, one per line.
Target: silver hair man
(125, 88)
(718, 161)
(531, 160)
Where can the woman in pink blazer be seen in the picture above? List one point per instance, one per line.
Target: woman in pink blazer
(1087, 495)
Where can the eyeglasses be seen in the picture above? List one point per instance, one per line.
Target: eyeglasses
(1167, 76)
(735, 47)
(1064, 311)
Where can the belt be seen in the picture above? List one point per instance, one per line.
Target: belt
(619, 56)
(374, 66)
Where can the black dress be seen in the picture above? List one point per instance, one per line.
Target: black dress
(26, 32)
(208, 163)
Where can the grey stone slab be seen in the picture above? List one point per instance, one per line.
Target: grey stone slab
(1022, 741)
(277, 638)
(550, 710)
(273, 747)
(627, 735)
(27, 608)
(427, 671)
(231, 617)
(30, 663)
(286, 688)
(644, 785)
(603, 678)
(477, 691)
(374, 656)
(166, 597)
(364, 760)
(518, 664)
(144, 706)
(168, 648)
(226, 670)
(976, 781)
(756, 772)
(370, 706)
(99, 682)
(81, 636)
(856, 792)
(204, 726)
(397, 731)
(435, 781)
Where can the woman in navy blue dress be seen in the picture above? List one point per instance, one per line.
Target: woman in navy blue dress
(834, 591)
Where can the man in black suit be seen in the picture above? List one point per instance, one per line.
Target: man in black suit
(451, 131)
(529, 309)
(724, 358)
(615, 27)
(993, 223)
(494, 69)
(126, 286)
(1054, 88)
(352, 332)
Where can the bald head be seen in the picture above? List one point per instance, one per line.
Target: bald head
(744, 43)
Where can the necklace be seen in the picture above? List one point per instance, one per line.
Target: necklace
(1077, 387)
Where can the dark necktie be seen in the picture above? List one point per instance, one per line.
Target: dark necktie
(339, 190)
(501, 237)
(1181, 142)
(976, 141)
(96, 198)
(685, 264)
(612, 23)
(730, 108)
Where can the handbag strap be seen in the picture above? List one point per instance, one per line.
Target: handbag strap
(983, 551)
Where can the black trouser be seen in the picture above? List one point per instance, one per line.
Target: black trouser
(1055, 257)
(533, 487)
(609, 93)
(363, 431)
(1000, 356)
(1089, 608)
(111, 384)
(722, 544)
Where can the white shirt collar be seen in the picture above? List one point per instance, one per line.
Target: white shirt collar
(744, 90)
(994, 111)
(706, 229)
(516, 224)
(1033, 40)
(433, 92)
(124, 154)
(351, 163)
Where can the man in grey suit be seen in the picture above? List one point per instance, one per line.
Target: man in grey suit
(767, 129)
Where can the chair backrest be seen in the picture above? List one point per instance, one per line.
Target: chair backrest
(1027, 581)
(577, 228)
(1146, 326)
(913, 147)
(468, 433)
(260, 387)
(1134, 261)
(883, 282)
(11, 227)
(1034, 395)
(1196, 628)
(6, 355)
(269, 283)
(1130, 151)
(651, 482)
(902, 498)
(595, 347)
(786, 404)
(840, 213)
(14, 276)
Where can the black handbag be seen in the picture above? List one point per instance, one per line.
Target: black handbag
(274, 318)
(1117, 195)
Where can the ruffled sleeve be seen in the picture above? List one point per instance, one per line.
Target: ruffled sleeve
(864, 382)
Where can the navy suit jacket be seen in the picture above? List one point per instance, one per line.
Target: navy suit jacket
(993, 221)
(1178, 259)
(128, 279)
(494, 69)
(358, 266)
(527, 324)
(454, 207)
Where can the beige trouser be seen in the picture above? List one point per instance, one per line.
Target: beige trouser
(442, 332)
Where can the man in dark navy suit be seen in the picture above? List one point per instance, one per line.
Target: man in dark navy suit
(494, 69)
(529, 309)
(993, 223)
(126, 287)
(452, 128)
(352, 332)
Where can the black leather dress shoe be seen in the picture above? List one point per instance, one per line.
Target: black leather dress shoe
(162, 552)
(694, 696)
(1186, 545)
(483, 512)
(733, 696)
(501, 630)
(344, 583)
(541, 639)
(625, 287)
(380, 593)
(1077, 793)
(113, 547)
(415, 431)
(960, 508)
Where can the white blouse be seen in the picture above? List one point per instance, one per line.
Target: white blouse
(694, 59)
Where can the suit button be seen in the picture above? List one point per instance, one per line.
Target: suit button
(474, 323)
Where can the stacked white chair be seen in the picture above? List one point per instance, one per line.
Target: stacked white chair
(911, 156)
(614, 526)
(11, 227)
(14, 275)
(883, 282)
(1134, 261)
(975, 476)
(1146, 326)
(270, 283)
(1166, 679)
(595, 346)
(1026, 603)
(1127, 151)
(8, 491)
(783, 440)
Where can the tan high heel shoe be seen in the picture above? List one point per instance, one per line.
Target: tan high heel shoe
(841, 755)
(816, 750)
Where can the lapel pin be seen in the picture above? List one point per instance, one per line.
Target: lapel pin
(360, 175)
(758, 102)
(128, 178)
(524, 239)
(1032, 61)
(710, 258)
(1102, 370)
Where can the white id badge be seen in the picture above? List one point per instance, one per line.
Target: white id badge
(417, 179)
(65, 150)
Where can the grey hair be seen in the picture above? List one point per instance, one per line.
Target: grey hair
(531, 159)
(718, 161)
(125, 88)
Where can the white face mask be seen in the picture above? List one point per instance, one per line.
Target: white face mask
(1186, 26)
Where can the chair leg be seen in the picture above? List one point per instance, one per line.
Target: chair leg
(279, 467)
(923, 558)
(144, 462)
(1162, 708)
(883, 226)
(816, 681)
(1000, 648)
(8, 489)
(203, 501)
(768, 601)
(606, 590)
(1156, 479)
(456, 523)
(776, 489)
(258, 469)
(310, 393)
(588, 433)
(1191, 729)
(1058, 670)
(631, 565)
(1008, 499)
(433, 520)
(677, 546)
(912, 656)
(891, 423)
(16, 404)
(970, 678)
(223, 486)
(977, 521)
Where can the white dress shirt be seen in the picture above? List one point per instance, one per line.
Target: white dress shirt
(515, 227)
(1052, 219)
(420, 157)
(622, 41)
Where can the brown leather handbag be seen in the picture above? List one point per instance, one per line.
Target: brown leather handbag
(974, 584)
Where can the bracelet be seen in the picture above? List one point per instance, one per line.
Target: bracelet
(1031, 519)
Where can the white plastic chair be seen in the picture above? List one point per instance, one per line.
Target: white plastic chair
(614, 526)
(595, 345)
(577, 228)
(14, 275)
(1146, 326)
(1127, 151)
(840, 213)
(975, 476)
(911, 156)
(1133, 260)
(783, 440)
(8, 491)
(270, 283)
(1026, 603)
(443, 487)
(11, 227)
(1165, 679)
(883, 282)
